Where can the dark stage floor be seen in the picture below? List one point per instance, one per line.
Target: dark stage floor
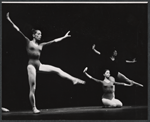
(81, 113)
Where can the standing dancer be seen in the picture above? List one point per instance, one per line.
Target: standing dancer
(108, 98)
(34, 65)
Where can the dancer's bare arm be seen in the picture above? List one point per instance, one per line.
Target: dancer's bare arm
(16, 27)
(96, 51)
(132, 61)
(56, 40)
(112, 79)
(89, 76)
(124, 84)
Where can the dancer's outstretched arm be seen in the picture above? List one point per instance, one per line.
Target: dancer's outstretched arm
(124, 84)
(16, 27)
(56, 40)
(96, 51)
(119, 83)
(133, 61)
(89, 76)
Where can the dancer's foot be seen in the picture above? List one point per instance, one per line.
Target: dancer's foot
(76, 81)
(107, 106)
(111, 106)
(35, 110)
(5, 109)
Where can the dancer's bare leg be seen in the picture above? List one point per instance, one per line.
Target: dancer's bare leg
(118, 102)
(108, 103)
(124, 78)
(112, 103)
(49, 68)
(32, 84)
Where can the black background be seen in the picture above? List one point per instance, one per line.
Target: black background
(106, 25)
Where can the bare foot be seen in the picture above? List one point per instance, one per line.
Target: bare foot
(5, 109)
(111, 106)
(76, 81)
(35, 110)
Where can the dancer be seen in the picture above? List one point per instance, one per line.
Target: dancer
(108, 98)
(111, 62)
(34, 65)
(113, 57)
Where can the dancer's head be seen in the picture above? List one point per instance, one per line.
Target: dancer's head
(107, 73)
(37, 34)
(115, 53)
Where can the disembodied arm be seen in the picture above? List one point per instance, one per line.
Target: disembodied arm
(16, 27)
(132, 61)
(96, 51)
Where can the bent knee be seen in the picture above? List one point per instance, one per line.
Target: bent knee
(31, 93)
(108, 102)
(119, 104)
(32, 89)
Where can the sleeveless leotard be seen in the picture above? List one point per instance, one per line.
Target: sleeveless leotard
(34, 51)
(108, 89)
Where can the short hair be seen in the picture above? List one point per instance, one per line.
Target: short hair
(34, 31)
(106, 70)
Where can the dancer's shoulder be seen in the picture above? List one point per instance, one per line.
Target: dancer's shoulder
(112, 79)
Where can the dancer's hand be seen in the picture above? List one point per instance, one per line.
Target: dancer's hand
(86, 68)
(127, 84)
(61, 38)
(7, 15)
(134, 60)
(67, 34)
(93, 47)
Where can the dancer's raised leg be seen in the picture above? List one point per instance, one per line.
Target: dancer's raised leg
(49, 68)
(124, 78)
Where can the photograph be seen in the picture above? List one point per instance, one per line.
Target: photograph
(74, 61)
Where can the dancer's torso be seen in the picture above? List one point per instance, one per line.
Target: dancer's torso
(34, 52)
(108, 88)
